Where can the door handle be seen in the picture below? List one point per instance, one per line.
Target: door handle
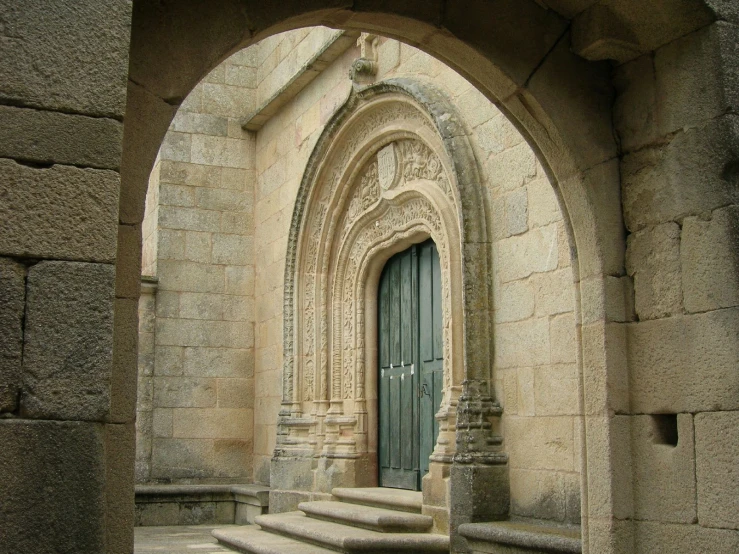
(424, 391)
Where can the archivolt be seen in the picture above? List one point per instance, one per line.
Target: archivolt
(392, 167)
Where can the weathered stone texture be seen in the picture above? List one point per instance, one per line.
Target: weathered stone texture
(666, 538)
(67, 356)
(664, 475)
(717, 460)
(653, 260)
(709, 253)
(12, 305)
(68, 60)
(61, 212)
(685, 363)
(51, 137)
(693, 173)
(54, 479)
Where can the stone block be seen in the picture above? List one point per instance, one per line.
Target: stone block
(228, 101)
(218, 334)
(709, 254)
(174, 458)
(176, 147)
(190, 276)
(478, 493)
(685, 363)
(538, 494)
(540, 443)
(511, 168)
(232, 458)
(717, 459)
(200, 123)
(212, 423)
(693, 173)
(664, 474)
(190, 174)
(221, 151)
(609, 467)
(607, 298)
(238, 308)
(520, 256)
(514, 301)
(184, 392)
(235, 393)
(157, 514)
(67, 58)
(232, 249)
(635, 109)
(670, 538)
(198, 247)
(522, 343)
(556, 390)
(240, 76)
(189, 219)
(563, 339)
(171, 245)
(60, 212)
(161, 422)
(176, 195)
(388, 56)
(120, 453)
(128, 262)
(606, 376)
(222, 200)
(697, 78)
(491, 36)
(476, 109)
(67, 358)
(51, 137)
(54, 478)
(516, 210)
(554, 292)
(125, 361)
(196, 305)
(168, 360)
(543, 206)
(12, 306)
(218, 362)
(653, 260)
(240, 280)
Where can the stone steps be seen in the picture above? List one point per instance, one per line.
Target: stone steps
(522, 536)
(251, 539)
(391, 499)
(369, 521)
(366, 517)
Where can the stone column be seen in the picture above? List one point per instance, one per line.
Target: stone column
(67, 338)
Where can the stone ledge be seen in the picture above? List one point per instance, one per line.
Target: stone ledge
(330, 51)
(523, 536)
(200, 504)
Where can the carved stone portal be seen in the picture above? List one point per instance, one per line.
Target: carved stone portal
(392, 168)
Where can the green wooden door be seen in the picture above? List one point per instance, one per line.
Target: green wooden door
(410, 360)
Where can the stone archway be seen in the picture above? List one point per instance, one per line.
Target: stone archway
(392, 168)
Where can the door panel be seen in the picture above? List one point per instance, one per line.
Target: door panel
(411, 373)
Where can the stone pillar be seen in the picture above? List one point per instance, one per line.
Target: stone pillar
(67, 403)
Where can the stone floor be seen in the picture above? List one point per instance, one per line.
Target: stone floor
(183, 539)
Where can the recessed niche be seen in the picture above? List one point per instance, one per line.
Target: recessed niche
(665, 429)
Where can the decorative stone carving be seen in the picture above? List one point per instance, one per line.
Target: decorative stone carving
(374, 185)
